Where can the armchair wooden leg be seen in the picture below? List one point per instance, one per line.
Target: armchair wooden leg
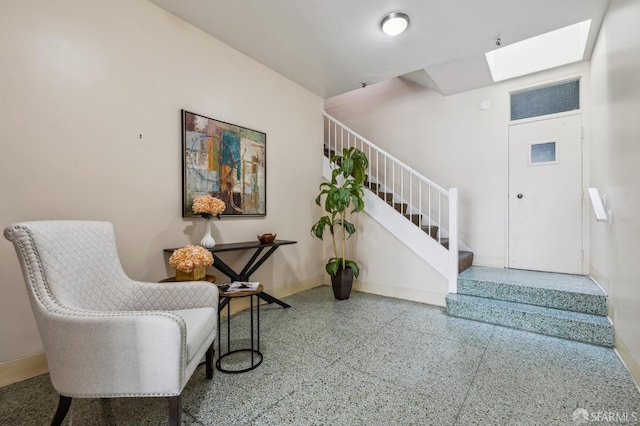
(175, 410)
(209, 362)
(61, 412)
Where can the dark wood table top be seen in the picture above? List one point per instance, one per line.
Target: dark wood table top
(242, 246)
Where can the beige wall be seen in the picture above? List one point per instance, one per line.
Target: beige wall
(80, 81)
(453, 142)
(615, 153)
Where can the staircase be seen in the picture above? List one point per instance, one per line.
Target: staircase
(561, 305)
(397, 193)
(465, 258)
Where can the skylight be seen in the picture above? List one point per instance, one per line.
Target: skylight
(553, 49)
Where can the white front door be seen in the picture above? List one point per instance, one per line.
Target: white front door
(545, 195)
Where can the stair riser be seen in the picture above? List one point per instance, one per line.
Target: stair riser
(596, 334)
(372, 186)
(431, 231)
(465, 260)
(577, 302)
(400, 207)
(386, 196)
(415, 218)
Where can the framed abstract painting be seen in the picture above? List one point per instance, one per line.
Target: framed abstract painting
(226, 161)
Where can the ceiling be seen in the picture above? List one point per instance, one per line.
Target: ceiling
(332, 46)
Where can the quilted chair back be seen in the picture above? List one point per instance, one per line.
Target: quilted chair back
(71, 265)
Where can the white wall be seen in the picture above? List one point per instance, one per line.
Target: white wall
(615, 153)
(451, 141)
(388, 268)
(80, 81)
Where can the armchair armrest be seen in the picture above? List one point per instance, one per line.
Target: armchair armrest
(173, 296)
(119, 353)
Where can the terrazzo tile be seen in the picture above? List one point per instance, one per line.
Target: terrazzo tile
(222, 401)
(346, 397)
(548, 280)
(437, 367)
(530, 379)
(553, 322)
(331, 336)
(310, 299)
(522, 347)
(371, 361)
(434, 320)
(371, 307)
(560, 291)
(18, 406)
(127, 412)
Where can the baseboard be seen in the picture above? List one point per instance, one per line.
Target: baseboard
(22, 369)
(427, 297)
(490, 261)
(632, 365)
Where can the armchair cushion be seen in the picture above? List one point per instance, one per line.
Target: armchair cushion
(201, 323)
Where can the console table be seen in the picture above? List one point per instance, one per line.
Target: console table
(251, 266)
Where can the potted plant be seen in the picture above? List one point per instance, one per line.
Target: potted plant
(343, 195)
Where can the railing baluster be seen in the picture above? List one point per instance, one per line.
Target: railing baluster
(439, 211)
(429, 223)
(386, 188)
(411, 198)
(420, 198)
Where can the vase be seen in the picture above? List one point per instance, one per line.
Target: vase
(341, 283)
(195, 275)
(208, 241)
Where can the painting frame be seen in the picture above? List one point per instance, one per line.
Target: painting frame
(226, 161)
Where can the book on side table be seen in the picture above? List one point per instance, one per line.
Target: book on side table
(238, 286)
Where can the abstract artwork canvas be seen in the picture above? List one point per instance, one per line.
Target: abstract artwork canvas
(226, 161)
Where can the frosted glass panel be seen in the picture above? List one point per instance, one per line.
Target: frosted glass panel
(543, 152)
(546, 100)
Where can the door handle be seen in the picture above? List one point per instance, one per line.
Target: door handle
(519, 195)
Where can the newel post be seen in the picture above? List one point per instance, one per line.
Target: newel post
(453, 240)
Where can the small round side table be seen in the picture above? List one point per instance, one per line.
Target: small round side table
(256, 355)
(210, 278)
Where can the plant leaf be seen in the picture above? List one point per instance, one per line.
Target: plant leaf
(354, 267)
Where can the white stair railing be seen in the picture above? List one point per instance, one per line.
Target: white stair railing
(430, 206)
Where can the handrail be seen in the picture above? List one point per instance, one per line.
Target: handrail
(386, 154)
(403, 187)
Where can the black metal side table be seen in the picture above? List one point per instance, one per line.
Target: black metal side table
(254, 350)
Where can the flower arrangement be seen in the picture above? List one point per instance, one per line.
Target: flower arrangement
(208, 206)
(189, 258)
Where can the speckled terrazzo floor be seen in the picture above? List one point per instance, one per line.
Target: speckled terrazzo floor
(372, 360)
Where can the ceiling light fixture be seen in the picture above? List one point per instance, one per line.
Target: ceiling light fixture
(394, 23)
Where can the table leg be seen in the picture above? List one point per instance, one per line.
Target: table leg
(270, 299)
(226, 269)
(256, 355)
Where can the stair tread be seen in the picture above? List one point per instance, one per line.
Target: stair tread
(541, 310)
(534, 279)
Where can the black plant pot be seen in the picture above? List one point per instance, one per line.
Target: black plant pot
(342, 283)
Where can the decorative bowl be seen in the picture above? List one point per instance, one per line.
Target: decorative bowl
(267, 238)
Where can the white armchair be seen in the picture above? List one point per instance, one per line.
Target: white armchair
(104, 334)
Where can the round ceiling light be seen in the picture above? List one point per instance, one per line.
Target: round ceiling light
(394, 23)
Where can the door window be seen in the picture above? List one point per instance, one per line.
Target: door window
(542, 153)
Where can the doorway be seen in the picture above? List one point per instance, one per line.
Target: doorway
(545, 225)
